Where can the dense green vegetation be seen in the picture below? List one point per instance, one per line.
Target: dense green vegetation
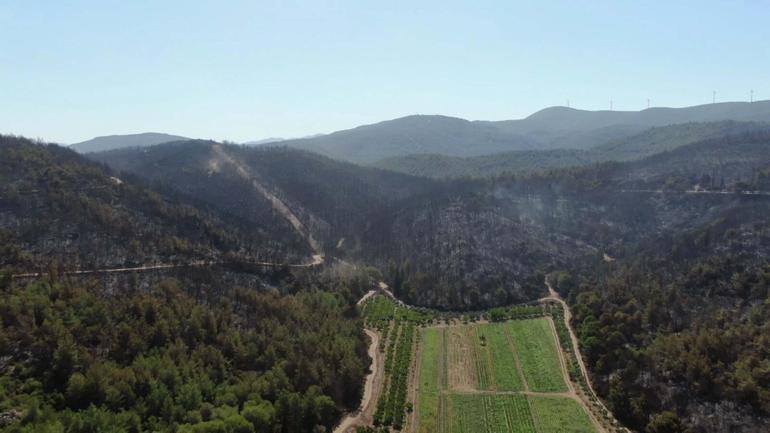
(79, 360)
(636, 323)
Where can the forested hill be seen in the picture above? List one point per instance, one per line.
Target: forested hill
(203, 353)
(56, 206)
(331, 198)
(464, 243)
(109, 142)
(77, 359)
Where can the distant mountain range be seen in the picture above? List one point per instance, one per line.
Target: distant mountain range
(628, 148)
(551, 128)
(271, 140)
(263, 141)
(110, 142)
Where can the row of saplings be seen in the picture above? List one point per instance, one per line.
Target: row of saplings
(392, 406)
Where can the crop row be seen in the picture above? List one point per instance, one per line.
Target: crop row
(390, 356)
(481, 357)
(507, 377)
(535, 345)
(490, 414)
(392, 405)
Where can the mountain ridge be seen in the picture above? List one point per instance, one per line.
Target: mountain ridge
(117, 141)
(550, 128)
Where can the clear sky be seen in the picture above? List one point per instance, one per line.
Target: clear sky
(241, 70)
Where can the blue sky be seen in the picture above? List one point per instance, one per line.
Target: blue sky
(240, 70)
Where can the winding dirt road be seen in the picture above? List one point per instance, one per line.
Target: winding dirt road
(553, 295)
(365, 413)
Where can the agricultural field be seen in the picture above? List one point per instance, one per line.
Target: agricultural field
(536, 346)
(558, 414)
(503, 377)
(431, 364)
(504, 363)
(490, 413)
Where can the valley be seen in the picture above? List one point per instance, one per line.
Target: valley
(379, 217)
(654, 262)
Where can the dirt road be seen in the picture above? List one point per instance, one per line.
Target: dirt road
(316, 260)
(553, 295)
(365, 413)
(368, 295)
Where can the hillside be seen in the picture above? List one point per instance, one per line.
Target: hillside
(413, 134)
(331, 199)
(551, 128)
(516, 162)
(646, 143)
(56, 206)
(109, 142)
(457, 242)
(555, 123)
(79, 358)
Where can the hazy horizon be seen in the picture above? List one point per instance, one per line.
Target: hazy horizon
(242, 71)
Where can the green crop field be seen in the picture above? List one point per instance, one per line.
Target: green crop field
(559, 414)
(471, 379)
(506, 373)
(490, 414)
(431, 342)
(536, 347)
(481, 357)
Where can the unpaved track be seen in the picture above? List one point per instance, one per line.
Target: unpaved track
(372, 387)
(553, 295)
(316, 260)
(364, 298)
